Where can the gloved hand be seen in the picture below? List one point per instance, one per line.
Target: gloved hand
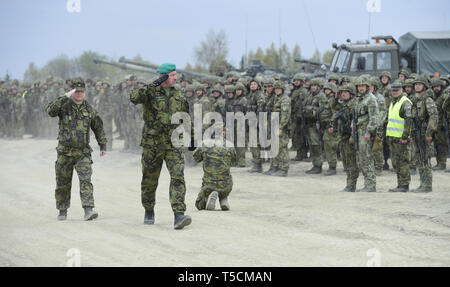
(159, 81)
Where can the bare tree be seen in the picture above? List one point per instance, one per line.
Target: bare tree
(212, 51)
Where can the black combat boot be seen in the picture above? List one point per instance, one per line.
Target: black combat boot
(224, 205)
(90, 214)
(280, 172)
(298, 157)
(438, 167)
(314, 170)
(257, 167)
(330, 171)
(181, 220)
(400, 188)
(422, 189)
(271, 170)
(386, 166)
(348, 189)
(149, 217)
(62, 215)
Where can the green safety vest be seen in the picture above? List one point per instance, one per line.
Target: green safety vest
(396, 124)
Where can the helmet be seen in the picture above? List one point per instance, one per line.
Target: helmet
(199, 86)
(190, 88)
(230, 89)
(278, 85)
(240, 86)
(408, 83)
(374, 81)
(330, 86)
(387, 74)
(361, 81)
(269, 82)
(436, 82)
(217, 88)
(346, 79)
(404, 72)
(316, 82)
(299, 76)
(349, 88)
(422, 79)
(333, 77)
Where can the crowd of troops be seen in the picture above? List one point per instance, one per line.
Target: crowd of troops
(325, 119)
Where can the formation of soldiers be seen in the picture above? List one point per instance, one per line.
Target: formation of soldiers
(337, 118)
(23, 106)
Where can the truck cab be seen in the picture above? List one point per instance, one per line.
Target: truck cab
(354, 59)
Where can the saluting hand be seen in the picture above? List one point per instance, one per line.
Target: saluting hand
(70, 93)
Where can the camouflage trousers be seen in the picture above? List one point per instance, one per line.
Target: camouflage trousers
(415, 161)
(425, 172)
(223, 188)
(108, 128)
(441, 147)
(312, 137)
(152, 160)
(330, 146)
(299, 140)
(350, 163)
(365, 159)
(400, 156)
(282, 159)
(64, 167)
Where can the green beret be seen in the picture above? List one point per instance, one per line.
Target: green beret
(166, 68)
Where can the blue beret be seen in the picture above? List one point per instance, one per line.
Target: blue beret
(166, 68)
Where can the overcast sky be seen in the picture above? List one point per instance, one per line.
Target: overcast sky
(162, 31)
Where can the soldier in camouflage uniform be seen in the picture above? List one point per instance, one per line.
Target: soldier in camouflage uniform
(191, 99)
(341, 123)
(218, 156)
(385, 90)
(279, 165)
(427, 119)
(408, 88)
(76, 118)
(238, 103)
(256, 104)
(378, 155)
(313, 107)
(161, 100)
(400, 124)
(218, 103)
(105, 107)
(329, 136)
(298, 132)
(366, 111)
(440, 140)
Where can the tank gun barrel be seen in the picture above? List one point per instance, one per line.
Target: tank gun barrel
(124, 66)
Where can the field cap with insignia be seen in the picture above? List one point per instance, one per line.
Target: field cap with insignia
(78, 84)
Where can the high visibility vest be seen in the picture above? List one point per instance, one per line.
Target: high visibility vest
(396, 124)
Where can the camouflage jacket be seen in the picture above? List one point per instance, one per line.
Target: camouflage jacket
(282, 105)
(440, 99)
(342, 118)
(256, 101)
(237, 104)
(427, 114)
(75, 122)
(159, 105)
(314, 103)
(217, 159)
(297, 98)
(382, 116)
(367, 112)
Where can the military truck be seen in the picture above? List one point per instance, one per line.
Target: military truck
(419, 52)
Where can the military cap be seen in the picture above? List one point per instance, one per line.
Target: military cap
(166, 68)
(78, 84)
(397, 85)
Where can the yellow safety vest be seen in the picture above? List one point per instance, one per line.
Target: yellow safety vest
(396, 124)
